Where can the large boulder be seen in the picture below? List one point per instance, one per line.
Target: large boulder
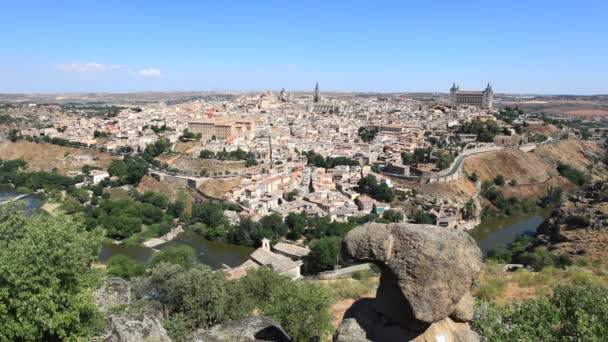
(135, 328)
(114, 292)
(426, 269)
(244, 330)
(362, 323)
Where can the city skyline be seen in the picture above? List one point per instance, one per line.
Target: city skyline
(540, 48)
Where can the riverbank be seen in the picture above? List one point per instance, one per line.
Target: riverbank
(501, 231)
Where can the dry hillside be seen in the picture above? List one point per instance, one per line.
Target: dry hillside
(46, 157)
(535, 171)
(217, 187)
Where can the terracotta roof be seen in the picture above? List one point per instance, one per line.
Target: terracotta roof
(290, 249)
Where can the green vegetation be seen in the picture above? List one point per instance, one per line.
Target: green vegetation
(125, 267)
(186, 135)
(421, 217)
(572, 174)
(378, 191)
(572, 313)
(11, 173)
(521, 251)
(129, 170)
(486, 131)
(238, 154)
(45, 291)
(502, 205)
(367, 134)
(183, 256)
(199, 298)
(324, 253)
(499, 180)
(329, 162)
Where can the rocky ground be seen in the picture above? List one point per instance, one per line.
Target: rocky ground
(46, 157)
(578, 227)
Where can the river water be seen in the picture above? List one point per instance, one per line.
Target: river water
(212, 253)
(495, 232)
(490, 234)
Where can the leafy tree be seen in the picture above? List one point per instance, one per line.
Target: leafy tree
(211, 214)
(46, 281)
(302, 309)
(499, 180)
(297, 224)
(553, 196)
(125, 267)
(183, 256)
(324, 253)
(421, 217)
(392, 215)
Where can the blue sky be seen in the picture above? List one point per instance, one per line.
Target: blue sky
(520, 46)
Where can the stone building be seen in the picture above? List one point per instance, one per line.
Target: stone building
(482, 99)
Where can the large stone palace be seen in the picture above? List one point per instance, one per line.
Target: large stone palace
(481, 98)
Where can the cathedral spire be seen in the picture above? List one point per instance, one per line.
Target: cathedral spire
(317, 96)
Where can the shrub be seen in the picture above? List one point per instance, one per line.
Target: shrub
(125, 267)
(573, 313)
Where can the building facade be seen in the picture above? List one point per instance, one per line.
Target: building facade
(482, 99)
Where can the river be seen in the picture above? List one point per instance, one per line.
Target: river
(212, 253)
(491, 233)
(501, 231)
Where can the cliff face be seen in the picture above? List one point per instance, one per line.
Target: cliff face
(424, 292)
(579, 225)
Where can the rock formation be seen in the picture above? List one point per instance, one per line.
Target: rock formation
(424, 292)
(579, 225)
(244, 330)
(115, 291)
(135, 328)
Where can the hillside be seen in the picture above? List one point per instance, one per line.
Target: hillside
(535, 171)
(46, 157)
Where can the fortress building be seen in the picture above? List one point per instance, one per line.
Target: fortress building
(482, 99)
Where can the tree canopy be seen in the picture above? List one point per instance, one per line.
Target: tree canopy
(46, 280)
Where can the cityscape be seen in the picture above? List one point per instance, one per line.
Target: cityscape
(458, 206)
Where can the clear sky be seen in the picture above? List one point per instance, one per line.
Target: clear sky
(533, 46)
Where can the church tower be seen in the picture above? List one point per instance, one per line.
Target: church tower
(317, 96)
(488, 97)
(453, 92)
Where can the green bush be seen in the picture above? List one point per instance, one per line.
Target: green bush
(573, 313)
(125, 267)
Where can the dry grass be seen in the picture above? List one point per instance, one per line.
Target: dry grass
(46, 157)
(507, 287)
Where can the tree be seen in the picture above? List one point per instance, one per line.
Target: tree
(184, 256)
(392, 215)
(297, 224)
(211, 214)
(324, 253)
(421, 217)
(125, 267)
(46, 279)
(302, 309)
(499, 180)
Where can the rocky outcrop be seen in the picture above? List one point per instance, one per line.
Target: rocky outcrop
(579, 225)
(424, 292)
(135, 328)
(114, 292)
(244, 330)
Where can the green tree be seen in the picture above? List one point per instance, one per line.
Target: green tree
(499, 180)
(421, 217)
(125, 267)
(392, 215)
(46, 281)
(324, 253)
(302, 309)
(184, 256)
(297, 224)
